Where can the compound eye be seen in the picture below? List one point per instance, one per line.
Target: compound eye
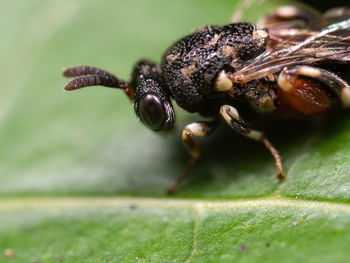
(151, 111)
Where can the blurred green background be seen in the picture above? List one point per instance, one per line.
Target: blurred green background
(81, 179)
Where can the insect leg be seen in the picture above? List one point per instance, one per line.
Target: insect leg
(337, 13)
(288, 17)
(198, 129)
(299, 85)
(286, 22)
(231, 116)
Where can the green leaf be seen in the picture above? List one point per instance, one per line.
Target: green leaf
(83, 181)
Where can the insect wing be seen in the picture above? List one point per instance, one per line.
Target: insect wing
(308, 46)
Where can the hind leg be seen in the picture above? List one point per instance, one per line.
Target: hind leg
(309, 90)
(286, 22)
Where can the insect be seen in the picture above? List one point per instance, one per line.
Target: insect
(284, 66)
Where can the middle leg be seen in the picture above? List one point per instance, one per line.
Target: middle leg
(232, 117)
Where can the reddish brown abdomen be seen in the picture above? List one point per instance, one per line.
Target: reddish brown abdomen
(305, 97)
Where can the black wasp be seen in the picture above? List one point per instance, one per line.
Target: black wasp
(282, 66)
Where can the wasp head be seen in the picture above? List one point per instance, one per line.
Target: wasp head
(146, 90)
(152, 102)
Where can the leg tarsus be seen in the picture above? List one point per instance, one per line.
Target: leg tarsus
(275, 154)
(172, 187)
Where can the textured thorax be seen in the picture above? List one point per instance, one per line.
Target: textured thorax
(234, 74)
(191, 65)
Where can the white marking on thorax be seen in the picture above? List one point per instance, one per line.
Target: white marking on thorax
(260, 34)
(223, 83)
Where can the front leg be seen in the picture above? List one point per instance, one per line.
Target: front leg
(231, 116)
(198, 129)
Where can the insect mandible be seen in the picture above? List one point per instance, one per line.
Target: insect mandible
(282, 66)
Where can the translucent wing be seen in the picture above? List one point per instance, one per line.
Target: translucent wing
(324, 40)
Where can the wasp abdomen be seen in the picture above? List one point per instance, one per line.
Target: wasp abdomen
(300, 92)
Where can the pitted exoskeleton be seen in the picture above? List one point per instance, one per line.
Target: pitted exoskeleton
(283, 66)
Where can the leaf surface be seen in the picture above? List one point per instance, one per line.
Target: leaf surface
(83, 181)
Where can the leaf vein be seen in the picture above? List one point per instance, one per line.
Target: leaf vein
(197, 205)
(195, 235)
